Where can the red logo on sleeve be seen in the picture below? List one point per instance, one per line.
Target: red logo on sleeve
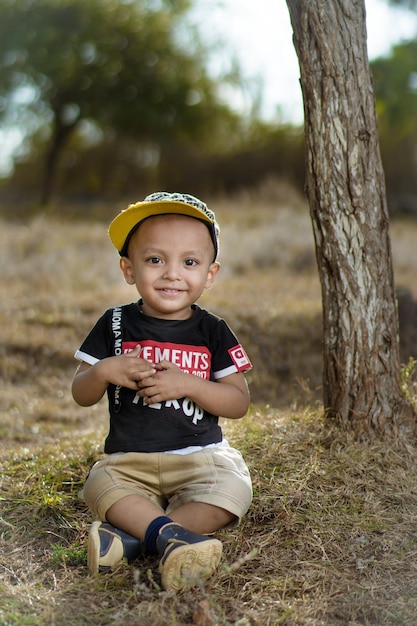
(240, 358)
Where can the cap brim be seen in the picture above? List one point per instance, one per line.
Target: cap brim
(124, 223)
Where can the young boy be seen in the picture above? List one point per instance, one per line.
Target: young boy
(170, 369)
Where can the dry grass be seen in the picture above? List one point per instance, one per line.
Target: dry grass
(330, 537)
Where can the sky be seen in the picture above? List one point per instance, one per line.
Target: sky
(259, 34)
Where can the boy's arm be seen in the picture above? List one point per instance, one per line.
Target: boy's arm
(91, 381)
(228, 397)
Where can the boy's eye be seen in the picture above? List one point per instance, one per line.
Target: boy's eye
(190, 262)
(154, 260)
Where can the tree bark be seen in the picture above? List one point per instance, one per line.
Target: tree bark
(346, 189)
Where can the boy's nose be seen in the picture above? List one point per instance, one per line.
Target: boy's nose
(171, 271)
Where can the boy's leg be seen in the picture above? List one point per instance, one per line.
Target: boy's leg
(202, 518)
(134, 514)
(187, 555)
(121, 537)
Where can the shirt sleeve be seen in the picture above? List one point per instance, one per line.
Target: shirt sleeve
(229, 356)
(99, 343)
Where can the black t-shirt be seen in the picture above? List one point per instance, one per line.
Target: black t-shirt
(202, 345)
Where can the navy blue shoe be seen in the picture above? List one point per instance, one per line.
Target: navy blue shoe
(109, 547)
(187, 559)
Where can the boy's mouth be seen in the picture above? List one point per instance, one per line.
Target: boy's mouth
(171, 291)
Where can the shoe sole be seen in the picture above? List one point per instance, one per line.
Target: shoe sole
(93, 548)
(100, 563)
(190, 564)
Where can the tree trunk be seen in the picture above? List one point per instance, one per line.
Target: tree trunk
(60, 137)
(346, 190)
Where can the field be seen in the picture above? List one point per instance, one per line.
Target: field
(331, 537)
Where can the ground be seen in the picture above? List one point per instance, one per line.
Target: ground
(330, 537)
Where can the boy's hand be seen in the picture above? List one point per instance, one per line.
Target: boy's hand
(229, 397)
(167, 382)
(126, 370)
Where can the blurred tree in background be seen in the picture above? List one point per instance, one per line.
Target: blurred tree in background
(127, 76)
(114, 98)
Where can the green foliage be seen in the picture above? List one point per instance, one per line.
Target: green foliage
(73, 555)
(408, 380)
(395, 85)
(408, 4)
(118, 64)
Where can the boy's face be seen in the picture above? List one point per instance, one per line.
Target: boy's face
(171, 263)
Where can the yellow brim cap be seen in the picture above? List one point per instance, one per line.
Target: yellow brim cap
(160, 203)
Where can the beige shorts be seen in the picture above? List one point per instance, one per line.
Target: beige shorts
(217, 476)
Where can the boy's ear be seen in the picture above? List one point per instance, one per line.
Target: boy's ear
(213, 269)
(127, 269)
